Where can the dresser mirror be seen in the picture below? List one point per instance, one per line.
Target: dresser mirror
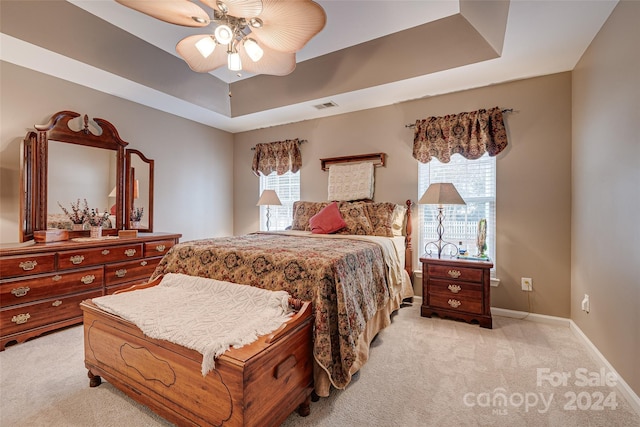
(73, 158)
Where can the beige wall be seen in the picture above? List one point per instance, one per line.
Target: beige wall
(193, 162)
(534, 176)
(606, 191)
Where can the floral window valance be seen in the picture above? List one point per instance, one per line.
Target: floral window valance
(279, 156)
(469, 134)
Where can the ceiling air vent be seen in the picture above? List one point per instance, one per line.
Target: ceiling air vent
(329, 104)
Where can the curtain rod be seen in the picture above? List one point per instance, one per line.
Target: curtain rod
(301, 141)
(506, 110)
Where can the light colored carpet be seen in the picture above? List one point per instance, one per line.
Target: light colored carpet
(421, 372)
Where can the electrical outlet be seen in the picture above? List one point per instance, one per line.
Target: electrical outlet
(527, 284)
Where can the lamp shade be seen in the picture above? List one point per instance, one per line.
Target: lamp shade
(441, 193)
(268, 197)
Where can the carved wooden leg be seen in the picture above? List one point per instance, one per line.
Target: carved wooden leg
(305, 407)
(94, 380)
(314, 396)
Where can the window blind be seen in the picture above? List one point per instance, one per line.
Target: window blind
(475, 180)
(287, 186)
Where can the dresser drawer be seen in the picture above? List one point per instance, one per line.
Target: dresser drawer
(130, 271)
(28, 316)
(20, 291)
(158, 248)
(456, 288)
(455, 303)
(458, 273)
(26, 264)
(82, 257)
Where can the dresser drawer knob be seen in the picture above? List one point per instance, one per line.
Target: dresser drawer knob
(56, 278)
(454, 288)
(105, 252)
(21, 318)
(76, 259)
(56, 303)
(454, 273)
(21, 291)
(130, 252)
(454, 303)
(89, 278)
(121, 273)
(160, 248)
(143, 263)
(28, 265)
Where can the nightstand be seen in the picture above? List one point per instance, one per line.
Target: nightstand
(456, 288)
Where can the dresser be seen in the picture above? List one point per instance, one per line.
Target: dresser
(42, 284)
(456, 288)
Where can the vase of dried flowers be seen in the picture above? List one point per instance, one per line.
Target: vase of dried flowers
(96, 220)
(78, 215)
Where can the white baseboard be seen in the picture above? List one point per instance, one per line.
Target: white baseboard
(621, 385)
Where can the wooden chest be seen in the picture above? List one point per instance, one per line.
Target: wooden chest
(256, 385)
(456, 288)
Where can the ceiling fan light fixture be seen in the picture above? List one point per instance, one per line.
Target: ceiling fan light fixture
(222, 7)
(206, 46)
(224, 34)
(233, 61)
(255, 22)
(253, 49)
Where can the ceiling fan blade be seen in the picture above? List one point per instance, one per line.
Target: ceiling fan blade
(272, 62)
(180, 12)
(289, 25)
(186, 48)
(238, 8)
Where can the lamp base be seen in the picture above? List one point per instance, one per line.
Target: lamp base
(439, 245)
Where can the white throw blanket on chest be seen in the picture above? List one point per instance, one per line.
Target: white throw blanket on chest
(202, 314)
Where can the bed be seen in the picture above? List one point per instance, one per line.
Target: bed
(355, 278)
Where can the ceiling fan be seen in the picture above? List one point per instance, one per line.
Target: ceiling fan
(258, 36)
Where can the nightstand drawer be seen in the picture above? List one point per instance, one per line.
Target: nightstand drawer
(455, 303)
(452, 288)
(455, 272)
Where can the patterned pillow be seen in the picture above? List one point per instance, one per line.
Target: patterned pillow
(355, 215)
(381, 216)
(302, 213)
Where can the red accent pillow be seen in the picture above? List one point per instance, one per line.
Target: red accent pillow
(328, 220)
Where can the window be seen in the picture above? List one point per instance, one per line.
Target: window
(475, 180)
(287, 186)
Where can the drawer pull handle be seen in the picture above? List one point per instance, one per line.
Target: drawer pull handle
(143, 263)
(21, 318)
(454, 288)
(130, 252)
(28, 265)
(160, 248)
(105, 252)
(89, 278)
(76, 259)
(454, 273)
(56, 303)
(56, 278)
(121, 273)
(454, 303)
(21, 291)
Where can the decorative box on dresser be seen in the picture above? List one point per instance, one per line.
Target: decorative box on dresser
(42, 284)
(456, 288)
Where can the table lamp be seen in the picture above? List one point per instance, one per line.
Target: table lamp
(441, 193)
(269, 198)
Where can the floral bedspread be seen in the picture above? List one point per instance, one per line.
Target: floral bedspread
(344, 278)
